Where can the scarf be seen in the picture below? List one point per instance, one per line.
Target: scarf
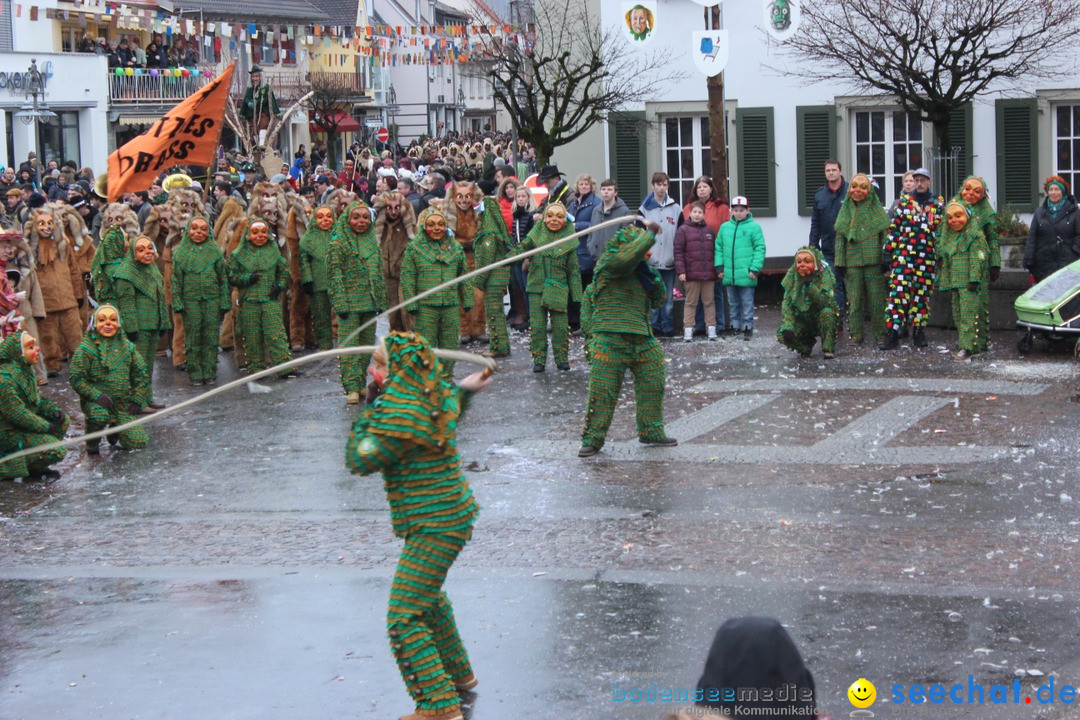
(863, 219)
(316, 241)
(145, 278)
(256, 259)
(1055, 208)
(196, 257)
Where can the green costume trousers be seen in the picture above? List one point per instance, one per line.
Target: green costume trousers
(498, 338)
(865, 288)
(810, 325)
(321, 313)
(99, 417)
(420, 622)
(610, 356)
(354, 367)
(263, 332)
(982, 319)
(966, 307)
(202, 328)
(32, 465)
(441, 325)
(560, 332)
(146, 344)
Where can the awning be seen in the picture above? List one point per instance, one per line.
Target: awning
(138, 119)
(345, 123)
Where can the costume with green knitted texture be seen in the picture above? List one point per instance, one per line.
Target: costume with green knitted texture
(809, 309)
(615, 318)
(140, 297)
(314, 250)
(26, 417)
(112, 367)
(427, 264)
(554, 282)
(109, 254)
(493, 243)
(963, 259)
(862, 229)
(409, 434)
(200, 291)
(357, 291)
(984, 215)
(256, 272)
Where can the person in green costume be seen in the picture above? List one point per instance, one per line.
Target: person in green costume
(862, 229)
(493, 243)
(140, 297)
(26, 418)
(260, 273)
(554, 282)
(357, 289)
(409, 434)
(431, 259)
(200, 292)
(974, 194)
(618, 337)
(963, 257)
(314, 248)
(111, 250)
(110, 378)
(808, 310)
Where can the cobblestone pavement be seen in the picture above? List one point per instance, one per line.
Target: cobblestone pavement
(910, 519)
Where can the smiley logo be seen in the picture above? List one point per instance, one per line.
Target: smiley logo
(862, 693)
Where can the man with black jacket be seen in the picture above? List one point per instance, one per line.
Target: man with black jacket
(827, 202)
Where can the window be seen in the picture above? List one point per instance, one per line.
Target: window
(686, 153)
(59, 139)
(886, 144)
(1067, 143)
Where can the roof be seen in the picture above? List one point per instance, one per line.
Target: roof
(341, 12)
(299, 11)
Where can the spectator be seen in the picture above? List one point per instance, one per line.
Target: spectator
(437, 189)
(505, 197)
(138, 53)
(88, 44)
(660, 208)
(524, 208)
(558, 189)
(1054, 236)
(740, 255)
(581, 208)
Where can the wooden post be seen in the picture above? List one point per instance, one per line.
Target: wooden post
(717, 126)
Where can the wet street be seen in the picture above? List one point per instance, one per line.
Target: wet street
(909, 519)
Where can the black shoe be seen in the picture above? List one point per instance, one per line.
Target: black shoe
(92, 448)
(789, 337)
(53, 373)
(747, 334)
(904, 332)
(50, 475)
(587, 451)
(180, 368)
(563, 366)
(537, 368)
(891, 341)
(113, 438)
(294, 373)
(918, 338)
(663, 442)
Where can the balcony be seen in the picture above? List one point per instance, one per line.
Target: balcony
(145, 89)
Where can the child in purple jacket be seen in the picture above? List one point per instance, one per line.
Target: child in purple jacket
(695, 252)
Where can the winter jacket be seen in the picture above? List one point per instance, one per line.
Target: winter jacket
(695, 252)
(740, 250)
(1052, 243)
(717, 213)
(823, 218)
(668, 215)
(598, 239)
(523, 223)
(582, 209)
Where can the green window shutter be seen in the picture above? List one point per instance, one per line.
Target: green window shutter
(627, 152)
(757, 159)
(960, 136)
(816, 128)
(1017, 153)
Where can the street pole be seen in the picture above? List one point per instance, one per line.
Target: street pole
(717, 125)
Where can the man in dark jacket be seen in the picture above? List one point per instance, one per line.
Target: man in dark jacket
(827, 201)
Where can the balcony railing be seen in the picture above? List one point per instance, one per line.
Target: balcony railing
(146, 89)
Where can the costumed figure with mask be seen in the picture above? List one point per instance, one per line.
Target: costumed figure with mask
(200, 293)
(19, 266)
(618, 337)
(554, 282)
(493, 243)
(962, 266)
(120, 225)
(862, 229)
(976, 198)
(300, 326)
(910, 265)
(357, 289)
(432, 259)
(61, 287)
(395, 227)
(464, 224)
(809, 310)
(408, 433)
(26, 418)
(140, 297)
(259, 105)
(110, 378)
(314, 250)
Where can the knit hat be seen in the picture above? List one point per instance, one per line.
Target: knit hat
(36, 200)
(1056, 180)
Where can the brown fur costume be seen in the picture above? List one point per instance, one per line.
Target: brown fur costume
(301, 327)
(61, 283)
(393, 238)
(464, 225)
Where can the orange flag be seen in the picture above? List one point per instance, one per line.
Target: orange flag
(186, 135)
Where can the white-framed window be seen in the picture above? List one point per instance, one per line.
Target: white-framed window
(885, 144)
(686, 153)
(1067, 142)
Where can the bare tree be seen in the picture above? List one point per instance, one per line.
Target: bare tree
(934, 55)
(571, 74)
(330, 102)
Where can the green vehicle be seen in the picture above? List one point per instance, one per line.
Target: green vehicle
(1050, 309)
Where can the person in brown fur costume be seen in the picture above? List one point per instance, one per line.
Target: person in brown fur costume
(301, 328)
(20, 265)
(394, 228)
(461, 219)
(61, 282)
(78, 237)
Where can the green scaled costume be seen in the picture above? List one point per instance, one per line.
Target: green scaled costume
(357, 291)
(809, 309)
(200, 292)
(110, 370)
(615, 318)
(554, 282)
(409, 434)
(427, 264)
(140, 297)
(983, 215)
(493, 243)
(963, 261)
(862, 229)
(314, 250)
(109, 254)
(260, 274)
(26, 418)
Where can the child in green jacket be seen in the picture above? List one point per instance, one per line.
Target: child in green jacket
(740, 255)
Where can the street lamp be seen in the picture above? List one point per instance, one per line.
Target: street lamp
(32, 112)
(461, 109)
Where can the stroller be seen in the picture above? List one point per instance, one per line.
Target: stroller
(1050, 309)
